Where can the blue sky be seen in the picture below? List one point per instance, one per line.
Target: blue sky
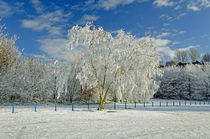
(42, 25)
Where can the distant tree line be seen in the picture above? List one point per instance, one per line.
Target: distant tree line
(186, 77)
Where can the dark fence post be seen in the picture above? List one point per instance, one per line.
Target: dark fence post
(179, 103)
(144, 104)
(114, 105)
(173, 103)
(88, 106)
(160, 104)
(135, 105)
(55, 107)
(35, 107)
(72, 106)
(13, 108)
(190, 102)
(152, 104)
(185, 103)
(166, 104)
(125, 105)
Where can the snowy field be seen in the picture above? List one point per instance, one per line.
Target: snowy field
(171, 122)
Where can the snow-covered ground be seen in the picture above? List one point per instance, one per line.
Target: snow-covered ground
(81, 123)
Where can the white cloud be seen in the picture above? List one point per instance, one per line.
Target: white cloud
(177, 7)
(111, 4)
(162, 46)
(181, 15)
(204, 3)
(164, 34)
(8, 10)
(55, 48)
(48, 21)
(164, 3)
(198, 5)
(87, 18)
(37, 5)
(186, 48)
(5, 9)
(192, 7)
(166, 17)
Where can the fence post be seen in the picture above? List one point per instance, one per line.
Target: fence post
(144, 104)
(152, 104)
(55, 107)
(13, 108)
(173, 103)
(160, 104)
(208, 102)
(135, 105)
(179, 103)
(35, 107)
(185, 103)
(125, 105)
(200, 103)
(88, 106)
(204, 103)
(72, 106)
(114, 105)
(190, 102)
(166, 104)
(195, 102)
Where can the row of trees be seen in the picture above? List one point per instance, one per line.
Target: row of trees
(108, 67)
(185, 77)
(190, 82)
(192, 55)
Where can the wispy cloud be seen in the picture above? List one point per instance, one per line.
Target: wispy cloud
(177, 7)
(193, 7)
(187, 48)
(164, 34)
(87, 18)
(50, 21)
(37, 5)
(53, 42)
(181, 15)
(55, 48)
(104, 4)
(111, 4)
(8, 10)
(164, 3)
(166, 17)
(5, 9)
(198, 5)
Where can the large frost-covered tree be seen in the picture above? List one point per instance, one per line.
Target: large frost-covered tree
(114, 63)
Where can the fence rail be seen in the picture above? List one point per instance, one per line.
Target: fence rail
(155, 105)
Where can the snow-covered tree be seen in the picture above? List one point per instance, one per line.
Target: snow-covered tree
(188, 82)
(114, 63)
(181, 56)
(206, 57)
(194, 54)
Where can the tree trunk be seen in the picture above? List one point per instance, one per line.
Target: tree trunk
(101, 104)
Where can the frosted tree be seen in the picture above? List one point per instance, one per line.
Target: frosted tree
(194, 54)
(181, 56)
(188, 82)
(206, 57)
(9, 56)
(111, 63)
